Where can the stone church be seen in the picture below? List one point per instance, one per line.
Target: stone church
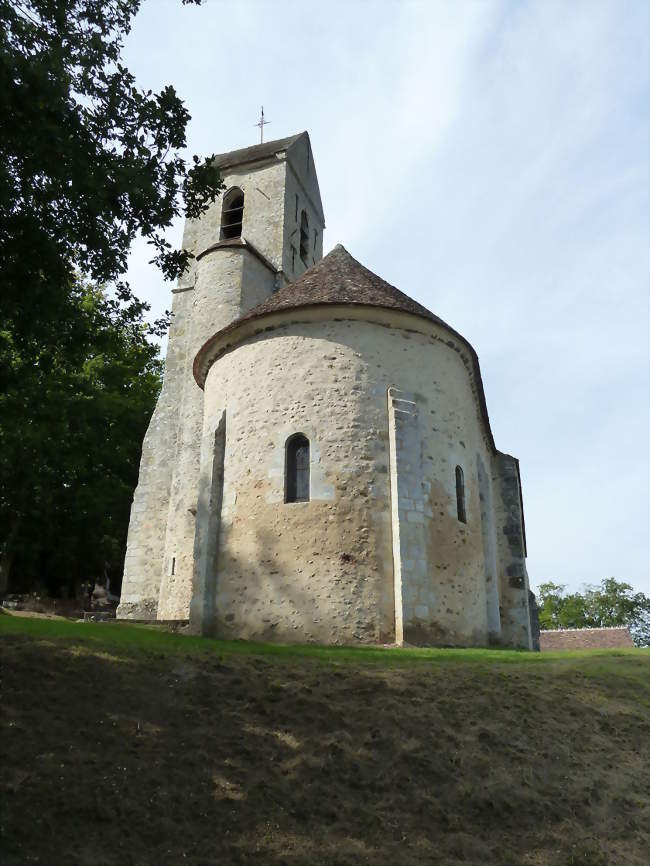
(320, 465)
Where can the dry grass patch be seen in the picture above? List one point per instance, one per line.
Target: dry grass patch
(211, 754)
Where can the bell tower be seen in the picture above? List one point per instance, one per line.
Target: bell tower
(263, 232)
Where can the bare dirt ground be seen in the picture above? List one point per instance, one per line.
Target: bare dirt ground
(174, 751)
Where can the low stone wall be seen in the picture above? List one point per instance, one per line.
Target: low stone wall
(586, 638)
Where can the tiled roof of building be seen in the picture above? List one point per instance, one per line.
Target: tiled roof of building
(255, 152)
(340, 280)
(586, 638)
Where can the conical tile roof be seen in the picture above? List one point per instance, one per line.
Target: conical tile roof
(338, 279)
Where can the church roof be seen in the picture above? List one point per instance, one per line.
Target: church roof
(256, 151)
(339, 279)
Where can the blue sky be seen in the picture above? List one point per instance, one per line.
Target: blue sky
(491, 160)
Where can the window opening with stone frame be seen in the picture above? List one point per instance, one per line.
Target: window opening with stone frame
(232, 214)
(460, 495)
(304, 237)
(296, 487)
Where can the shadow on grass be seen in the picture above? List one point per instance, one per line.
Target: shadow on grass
(123, 745)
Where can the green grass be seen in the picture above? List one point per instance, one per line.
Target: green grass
(156, 639)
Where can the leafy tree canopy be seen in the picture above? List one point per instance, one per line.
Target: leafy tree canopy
(73, 416)
(87, 161)
(612, 603)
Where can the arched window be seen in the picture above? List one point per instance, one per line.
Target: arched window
(460, 495)
(232, 214)
(296, 474)
(304, 237)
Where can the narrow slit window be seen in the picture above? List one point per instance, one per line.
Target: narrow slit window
(297, 469)
(173, 565)
(315, 240)
(304, 237)
(232, 214)
(460, 495)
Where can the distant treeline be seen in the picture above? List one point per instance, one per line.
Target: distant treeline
(611, 603)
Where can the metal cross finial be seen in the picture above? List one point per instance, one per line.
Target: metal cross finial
(262, 123)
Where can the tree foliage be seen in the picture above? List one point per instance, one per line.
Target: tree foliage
(88, 160)
(73, 417)
(611, 603)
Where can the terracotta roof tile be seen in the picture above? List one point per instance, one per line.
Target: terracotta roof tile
(585, 638)
(339, 279)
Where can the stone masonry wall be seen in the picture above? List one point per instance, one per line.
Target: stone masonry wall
(208, 529)
(229, 281)
(409, 509)
(143, 565)
(323, 570)
(301, 193)
(490, 556)
(264, 211)
(513, 576)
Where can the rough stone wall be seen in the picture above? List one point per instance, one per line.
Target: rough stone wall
(220, 285)
(229, 282)
(413, 590)
(488, 533)
(513, 576)
(264, 209)
(301, 193)
(143, 565)
(534, 621)
(323, 570)
(208, 529)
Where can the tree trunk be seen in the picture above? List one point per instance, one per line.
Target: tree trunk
(7, 555)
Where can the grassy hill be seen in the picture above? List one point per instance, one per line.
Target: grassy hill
(126, 745)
